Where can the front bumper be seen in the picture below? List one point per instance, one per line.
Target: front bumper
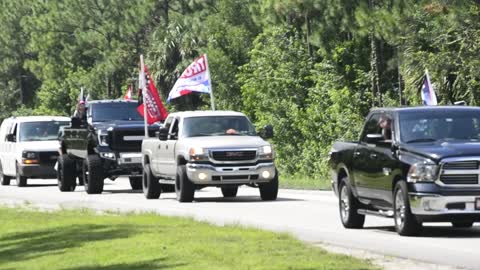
(235, 175)
(125, 164)
(37, 170)
(427, 204)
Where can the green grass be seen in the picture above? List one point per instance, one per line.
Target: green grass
(82, 240)
(304, 182)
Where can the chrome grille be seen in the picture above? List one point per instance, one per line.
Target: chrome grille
(459, 179)
(461, 165)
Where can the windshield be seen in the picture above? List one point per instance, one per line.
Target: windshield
(102, 112)
(217, 126)
(40, 131)
(439, 125)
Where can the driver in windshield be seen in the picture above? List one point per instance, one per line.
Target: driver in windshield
(231, 131)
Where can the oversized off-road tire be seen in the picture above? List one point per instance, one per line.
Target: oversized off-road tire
(406, 223)
(184, 188)
(135, 182)
(167, 188)
(21, 180)
(462, 224)
(229, 192)
(93, 174)
(151, 187)
(269, 191)
(4, 179)
(66, 173)
(348, 206)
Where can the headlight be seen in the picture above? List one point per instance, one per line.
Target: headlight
(422, 172)
(265, 152)
(103, 138)
(29, 157)
(198, 154)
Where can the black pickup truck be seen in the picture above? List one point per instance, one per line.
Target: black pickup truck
(418, 164)
(106, 144)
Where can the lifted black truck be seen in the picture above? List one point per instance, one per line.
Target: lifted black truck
(419, 164)
(106, 145)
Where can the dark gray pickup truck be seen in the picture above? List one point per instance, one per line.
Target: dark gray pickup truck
(418, 164)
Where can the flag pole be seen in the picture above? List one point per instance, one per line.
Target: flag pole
(212, 99)
(144, 91)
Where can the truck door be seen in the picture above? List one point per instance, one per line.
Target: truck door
(170, 159)
(383, 164)
(363, 159)
(158, 152)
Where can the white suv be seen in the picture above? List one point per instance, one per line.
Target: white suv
(29, 147)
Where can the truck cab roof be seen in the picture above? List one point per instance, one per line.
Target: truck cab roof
(205, 113)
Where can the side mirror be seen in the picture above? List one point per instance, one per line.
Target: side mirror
(11, 138)
(267, 132)
(163, 134)
(374, 138)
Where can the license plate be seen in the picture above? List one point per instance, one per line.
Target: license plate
(477, 203)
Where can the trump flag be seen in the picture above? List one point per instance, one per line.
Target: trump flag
(428, 93)
(196, 78)
(154, 106)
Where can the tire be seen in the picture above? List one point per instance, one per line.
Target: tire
(269, 191)
(66, 174)
(462, 224)
(348, 207)
(151, 187)
(21, 180)
(184, 188)
(4, 179)
(406, 223)
(135, 182)
(229, 192)
(93, 174)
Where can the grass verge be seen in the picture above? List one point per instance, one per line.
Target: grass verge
(304, 182)
(82, 240)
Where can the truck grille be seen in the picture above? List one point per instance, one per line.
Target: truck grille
(461, 165)
(234, 155)
(129, 140)
(460, 172)
(48, 158)
(459, 179)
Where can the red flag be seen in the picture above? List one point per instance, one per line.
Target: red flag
(128, 95)
(155, 109)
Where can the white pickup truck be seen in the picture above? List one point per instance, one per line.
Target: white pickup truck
(209, 148)
(29, 147)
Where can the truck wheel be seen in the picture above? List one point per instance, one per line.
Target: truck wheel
(66, 175)
(348, 206)
(405, 222)
(269, 191)
(5, 180)
(229, 192)
(462, 224)
(135, 182)
(184, 188)
(150, 185)
(93, 174)
(21, 180)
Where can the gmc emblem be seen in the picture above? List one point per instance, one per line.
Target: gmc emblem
(233, 154)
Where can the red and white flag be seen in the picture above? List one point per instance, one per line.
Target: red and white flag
(128, 95)
(196, 78)
(155, 109)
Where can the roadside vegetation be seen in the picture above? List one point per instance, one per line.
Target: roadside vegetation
(84, 240)
(312, 69)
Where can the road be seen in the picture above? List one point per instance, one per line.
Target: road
(311, 216)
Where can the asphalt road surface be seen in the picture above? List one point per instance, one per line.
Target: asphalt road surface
(311, 216)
